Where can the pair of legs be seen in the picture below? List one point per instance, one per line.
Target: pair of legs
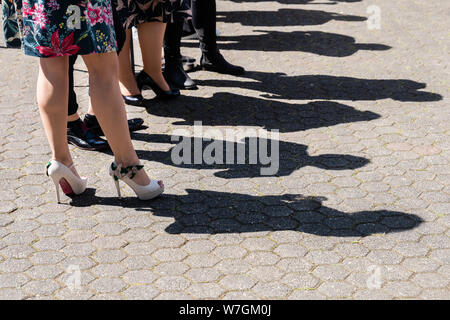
(106, 101)
(151, 35)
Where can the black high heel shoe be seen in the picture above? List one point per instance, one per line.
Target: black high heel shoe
(144, 81)
(135, 100)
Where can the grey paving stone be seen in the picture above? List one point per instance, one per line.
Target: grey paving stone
(331, 272)
(109, 256)
(172, 283)
(12, 294)
(107, 285)
(205, 290)
(237, 282)
(41, 287)
(402, 289)
(203, 275)
(336, 289)
(146, 292)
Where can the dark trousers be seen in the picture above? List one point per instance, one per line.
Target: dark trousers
(204, 22)
(73, 105)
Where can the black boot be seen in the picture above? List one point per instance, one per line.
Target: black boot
(173, 67)
(177, 77)
(204, 21)
(217, 63)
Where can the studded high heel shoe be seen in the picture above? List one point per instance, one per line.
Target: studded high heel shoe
(126, 174)
(64, 177)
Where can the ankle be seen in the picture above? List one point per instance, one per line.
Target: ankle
(128, 162)
(64, 160)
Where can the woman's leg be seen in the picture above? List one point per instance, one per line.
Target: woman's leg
(151, 35)
(52, 98)
(128, 85)
(109, 108)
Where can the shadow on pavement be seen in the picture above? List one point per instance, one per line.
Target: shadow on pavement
(257, 153)
(316, 42)
(283, 17)
(229, 109)
(313, 87)
(211, 212)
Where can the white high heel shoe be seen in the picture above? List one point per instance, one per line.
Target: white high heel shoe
(126, 174)
(64, 177)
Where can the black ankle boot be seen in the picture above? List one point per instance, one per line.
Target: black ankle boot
(176, 76)
(173, 66)
(217, 63)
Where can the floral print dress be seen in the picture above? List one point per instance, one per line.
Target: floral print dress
(53, 28)
(135, 12)
(10, 26)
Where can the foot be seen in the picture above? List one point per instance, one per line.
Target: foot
(135, 100)
(79, 135)
(92, 123)
(176, 76)
(217, 63)
(136, 178)
(145, 81)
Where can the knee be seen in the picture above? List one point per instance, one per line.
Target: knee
(55, 71)
(103, 67)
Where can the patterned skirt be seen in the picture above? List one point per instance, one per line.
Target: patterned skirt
(10, 26)
(53, 28)
(135, 12)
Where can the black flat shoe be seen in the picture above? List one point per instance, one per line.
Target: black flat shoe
(79, 135)
(177, 77)
(217, 63)
(136, 100)
(144, 81)
(92, 123)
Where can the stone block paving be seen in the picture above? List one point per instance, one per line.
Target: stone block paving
(359, 208)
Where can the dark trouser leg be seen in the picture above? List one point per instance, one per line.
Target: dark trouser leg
(173, 71)
(204, 21)
(73, 105)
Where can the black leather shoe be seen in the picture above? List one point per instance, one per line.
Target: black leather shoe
(217, 63)
(144, 81)
(177, 77)
(136, 100)
(92, 123)
(82, 137)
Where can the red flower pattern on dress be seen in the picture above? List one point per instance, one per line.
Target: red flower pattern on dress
(39, 15)
(94, 14)
(57, 49)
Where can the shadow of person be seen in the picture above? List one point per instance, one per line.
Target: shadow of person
(211, 212)
(229, 109)
(247, 158)
(283, 17)
(314, 87)
(316, 42)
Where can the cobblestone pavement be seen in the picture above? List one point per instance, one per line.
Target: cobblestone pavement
(359, 208)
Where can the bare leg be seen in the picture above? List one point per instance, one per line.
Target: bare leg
(109, 109)
(128, 85)
(52, 97)
(151, 35)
